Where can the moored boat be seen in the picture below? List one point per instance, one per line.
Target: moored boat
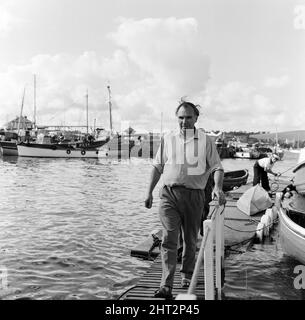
(59, 151)
(246, 153)
(9, 148)
(8, 143)
(234, 179)
(299, 170)
(291, 212)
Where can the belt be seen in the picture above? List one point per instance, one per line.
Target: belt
(181, 186)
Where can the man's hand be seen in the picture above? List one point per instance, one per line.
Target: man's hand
(149, 201)
(219, 194)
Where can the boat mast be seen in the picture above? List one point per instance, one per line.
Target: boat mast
(161, 124)
(276, 140)
(21, 110)
(110, 106)
(87, 103)
(298, 140)
(34, 100)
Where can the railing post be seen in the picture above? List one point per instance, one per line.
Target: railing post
(219, 220)
(218, 254)
(222, 248)
(209, 261)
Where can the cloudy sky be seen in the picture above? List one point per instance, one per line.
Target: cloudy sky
(243, 61)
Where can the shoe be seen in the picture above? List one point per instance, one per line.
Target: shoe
(164, 292)
(185, 283)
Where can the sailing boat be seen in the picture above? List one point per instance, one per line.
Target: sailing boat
(120, 145)
(86, 149)
(277, 148)
(298, 149)
(9, 148)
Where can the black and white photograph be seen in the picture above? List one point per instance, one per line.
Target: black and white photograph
(152, 152)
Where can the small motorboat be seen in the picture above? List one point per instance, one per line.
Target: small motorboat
(291, 211)
(233, 179)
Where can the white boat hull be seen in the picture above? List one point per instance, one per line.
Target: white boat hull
(244, 155)
(299, 180)
(292, 237)
(295, 150)
(28, 151)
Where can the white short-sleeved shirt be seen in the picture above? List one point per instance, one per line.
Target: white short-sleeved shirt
(187, 162)
(265, 163)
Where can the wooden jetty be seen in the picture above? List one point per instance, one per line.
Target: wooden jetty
(150, 282)
(239, 229)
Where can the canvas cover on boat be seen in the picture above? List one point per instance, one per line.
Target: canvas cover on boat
(254, 200)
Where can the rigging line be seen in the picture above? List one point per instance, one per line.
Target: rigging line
(251, 219)
(239, 243)
(287, 170)
(268, 225)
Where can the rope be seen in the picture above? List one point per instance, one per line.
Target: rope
(252, 230)
(287, 170)
(275, 184)
(250, 219)
(156, 243)
(131, 288)
(246, 240)
(228, 247)
(211, 215)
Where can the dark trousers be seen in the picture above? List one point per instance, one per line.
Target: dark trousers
(180, 209)
(260, 176)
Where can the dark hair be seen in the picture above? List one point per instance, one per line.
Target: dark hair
(186, 104)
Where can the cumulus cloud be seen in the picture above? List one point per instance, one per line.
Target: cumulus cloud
(62, 83)
(156, 62)
(238, 106)
(277, 82)
(168, 50)
(171, 63)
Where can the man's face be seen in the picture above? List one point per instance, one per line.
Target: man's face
(186, 118)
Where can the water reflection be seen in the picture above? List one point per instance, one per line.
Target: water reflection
(9, 159)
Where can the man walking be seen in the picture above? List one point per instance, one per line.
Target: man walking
(185, 159)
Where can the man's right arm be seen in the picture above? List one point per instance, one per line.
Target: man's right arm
(154, 179)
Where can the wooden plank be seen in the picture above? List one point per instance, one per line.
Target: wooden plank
(150, 282)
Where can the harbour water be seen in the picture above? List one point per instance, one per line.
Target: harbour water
(67, 227)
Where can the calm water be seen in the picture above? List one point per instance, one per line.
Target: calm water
(67, 227)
